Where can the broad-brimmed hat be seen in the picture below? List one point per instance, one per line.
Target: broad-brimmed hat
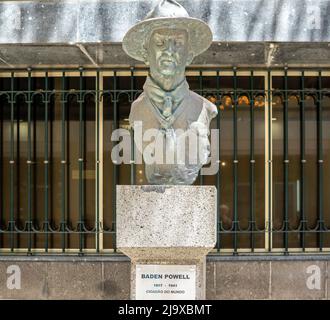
(167, 14)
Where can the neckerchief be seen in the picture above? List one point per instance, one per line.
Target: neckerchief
(166, 104)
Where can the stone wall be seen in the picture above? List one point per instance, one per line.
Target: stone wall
(59, 21)
(62, 277)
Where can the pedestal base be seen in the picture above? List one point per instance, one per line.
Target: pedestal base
(167, 232)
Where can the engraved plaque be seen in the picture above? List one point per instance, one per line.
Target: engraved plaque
(165, 282)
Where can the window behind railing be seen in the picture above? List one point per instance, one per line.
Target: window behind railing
(57, 178)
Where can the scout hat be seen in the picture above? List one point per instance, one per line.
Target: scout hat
(167, 14)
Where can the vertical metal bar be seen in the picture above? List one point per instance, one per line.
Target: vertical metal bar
(320, 162)
(1, 169)
(235, 164)
(268, 165)
(46, 162)
(81, 163)
(218, 182)
(63, 165)
(115, 173)
(97, 191)
(34, 162)
(18, 161)
(100, 159)
(286, 163)
(29, 165)
(51, 117)
(200, 80)
(12, 163)
(133, 166)
(252, 165)
(302, 161)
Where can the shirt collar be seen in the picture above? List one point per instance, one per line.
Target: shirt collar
(156, 94)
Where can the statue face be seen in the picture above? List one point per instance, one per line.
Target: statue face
(168, 52)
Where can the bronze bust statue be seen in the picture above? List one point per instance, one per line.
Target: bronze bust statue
(167, 40)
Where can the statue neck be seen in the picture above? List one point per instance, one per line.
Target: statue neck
(167, 83)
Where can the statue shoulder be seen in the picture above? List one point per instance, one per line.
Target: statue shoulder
(137, 109)
(138, 101)
(210, 107)
(206, 106)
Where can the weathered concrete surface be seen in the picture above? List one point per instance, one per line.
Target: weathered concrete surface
(115, 284)
(220, 54)
(33, 281)
(107, 21)
(244, 280)
(296, 274)
(211, 280)
(226, 277)
(157, 217)
(263, 33)
(65, 280)
(37, 55)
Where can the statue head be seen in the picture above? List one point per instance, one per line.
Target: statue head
(168, 52)
(167, 39)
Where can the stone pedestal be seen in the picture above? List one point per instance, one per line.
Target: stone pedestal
(160, 227)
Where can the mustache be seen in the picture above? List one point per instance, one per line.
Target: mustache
(167, 58)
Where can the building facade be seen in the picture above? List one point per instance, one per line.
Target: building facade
(66, 85)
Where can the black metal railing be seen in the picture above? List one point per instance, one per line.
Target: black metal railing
(58, 182)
